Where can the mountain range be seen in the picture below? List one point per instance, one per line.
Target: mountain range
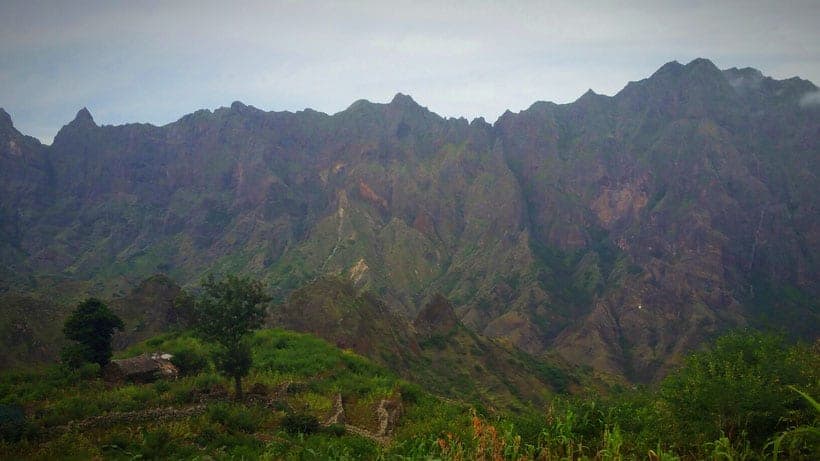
(614, 232)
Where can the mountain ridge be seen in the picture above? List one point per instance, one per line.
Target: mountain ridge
(620, 231)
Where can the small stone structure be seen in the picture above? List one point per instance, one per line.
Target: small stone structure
(144, 368)
(338, 415)
(388, 412)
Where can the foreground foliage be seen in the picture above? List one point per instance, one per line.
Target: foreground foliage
(748, 397)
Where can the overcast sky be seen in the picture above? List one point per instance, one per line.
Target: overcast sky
(152, 61)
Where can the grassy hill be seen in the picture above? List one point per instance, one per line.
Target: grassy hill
(746, 398)
(77, 416)
(435, 350)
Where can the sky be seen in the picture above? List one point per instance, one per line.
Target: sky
(155, 61)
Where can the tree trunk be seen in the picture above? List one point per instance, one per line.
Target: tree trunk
(237, 383)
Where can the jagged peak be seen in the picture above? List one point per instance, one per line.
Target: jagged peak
(670, 68)
(744, 80)
(701, 63)
(401, 99)
(676, 69)
(703, 66)
(359, 104)
(588, 95)
(674, 76)
(744, 72)
(83, 118)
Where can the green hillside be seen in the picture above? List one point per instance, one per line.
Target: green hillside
(748, 397)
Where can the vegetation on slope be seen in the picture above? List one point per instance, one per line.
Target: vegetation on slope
(436, 350)
(749, 397)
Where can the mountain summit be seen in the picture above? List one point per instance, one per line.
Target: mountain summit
(83, 119)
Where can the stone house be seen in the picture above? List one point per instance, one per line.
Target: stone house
(144, 368)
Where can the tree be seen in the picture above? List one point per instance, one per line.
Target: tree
(227, 311)
(91, 325)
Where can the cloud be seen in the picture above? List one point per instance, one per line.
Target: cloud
(810, 99)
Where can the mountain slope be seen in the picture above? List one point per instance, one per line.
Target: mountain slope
(619, 231)
(435, 350)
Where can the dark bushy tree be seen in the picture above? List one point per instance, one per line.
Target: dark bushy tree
(227, 311)
(91, 325)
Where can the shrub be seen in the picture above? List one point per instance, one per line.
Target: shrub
(300, 423)
(206, 382)
(89, 370)
(161, 386)
(410, 393)
(12, 422)
(182, 395)
(74, 355)
(233, 417)
(155, 444)
(337, 430)
(189, 362)
(739, 389)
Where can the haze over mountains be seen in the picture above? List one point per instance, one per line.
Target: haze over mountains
(618, 231)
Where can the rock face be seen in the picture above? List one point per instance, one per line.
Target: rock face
(619, 231)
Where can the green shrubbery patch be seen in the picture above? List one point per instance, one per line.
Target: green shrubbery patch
(300, 423)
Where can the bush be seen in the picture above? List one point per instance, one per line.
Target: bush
(739, 389)
(89, 370)
(300, 423)
(12, 422)
(183, 395)
(337, 430)
(161, 386)
(233, 417)
(206, 382)
(74, 355)
(410, 393)
(189, 362)
(155, 444)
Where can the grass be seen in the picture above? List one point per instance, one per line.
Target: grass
(311, 371)
(300, 376)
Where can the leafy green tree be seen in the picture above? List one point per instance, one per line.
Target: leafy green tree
(740, 389)
(227, 311)
(91, 325)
